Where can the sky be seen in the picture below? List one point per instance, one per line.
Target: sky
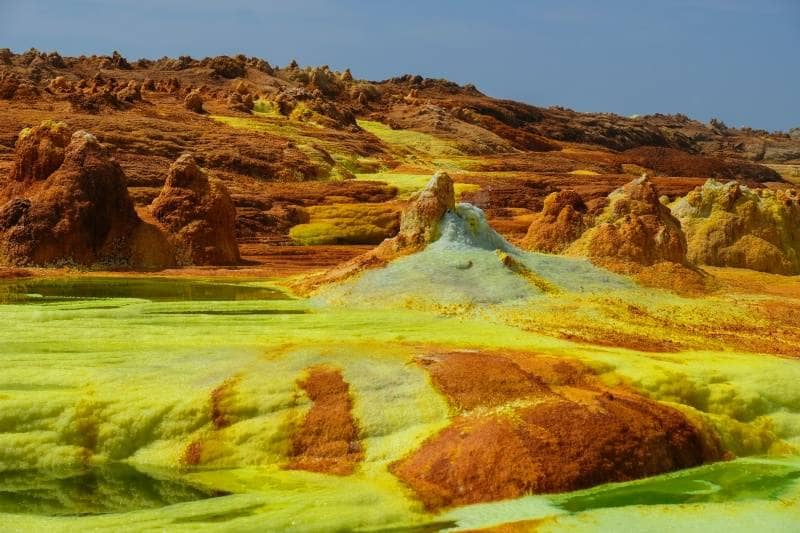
(736, 60)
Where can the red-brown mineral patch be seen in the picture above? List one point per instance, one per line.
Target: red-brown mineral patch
(539, 425)
(219, 403)
(192, 454)
(327, 440)
(673, 162)
(470, 380)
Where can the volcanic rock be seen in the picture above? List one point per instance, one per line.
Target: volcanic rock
(8, 85)
(94, 101)
(419, 226)
(527, 424)
(39, 152)
(634, 228)
(241, 88)
(325, 81)
(673, 162)
(80, 213)
(238, 102)
(419, 223)
(194, 102)
(199, 214)
(60, 84)
(130, 93)
(226, 67)
(733, 225)
(562, 220)
(171, 86)
(55, 60)
(119, 62)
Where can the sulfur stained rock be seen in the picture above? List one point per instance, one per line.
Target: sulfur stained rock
(735, 226)
(419, 223)
(9, 83)
(419, 226)
(78, 212)
(199, 215)
(60, 84)
(562, 220)
(527, 424)
(634, 228)
(39, 151)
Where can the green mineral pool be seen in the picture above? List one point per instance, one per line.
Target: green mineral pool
(108, 383)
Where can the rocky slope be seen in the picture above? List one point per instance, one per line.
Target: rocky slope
(288, 141)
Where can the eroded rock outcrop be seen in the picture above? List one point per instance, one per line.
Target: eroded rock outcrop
(39, 152)
(735, 226)
(70, 205)
(560, 222)
(419, 225)
(635, 234)
(194, 102)
(240, 102)
(199, 215)
(635, 228)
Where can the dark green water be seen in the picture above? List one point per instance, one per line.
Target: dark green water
(112, 488)
(43, 290)
(719, 482)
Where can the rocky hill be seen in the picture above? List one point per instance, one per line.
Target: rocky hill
(314, 156)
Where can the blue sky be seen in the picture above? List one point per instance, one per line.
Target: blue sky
(738, 60)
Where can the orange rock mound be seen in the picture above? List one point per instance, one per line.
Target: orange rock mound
(72, 208)
(199, 214)
(637, 235)
(634, 228)
(560, 222)
(39, 152)
(536, 425)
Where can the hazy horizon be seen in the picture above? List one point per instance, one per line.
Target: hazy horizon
(735, 60)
